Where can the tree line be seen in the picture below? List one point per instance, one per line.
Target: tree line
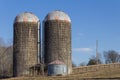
(6, 59)
(110, 56)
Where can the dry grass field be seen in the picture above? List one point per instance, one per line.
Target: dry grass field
(84, 73)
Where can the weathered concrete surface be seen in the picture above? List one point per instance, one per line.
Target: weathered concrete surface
(25, 47)
(57, 42)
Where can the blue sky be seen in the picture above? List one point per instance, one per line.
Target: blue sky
(91, 20)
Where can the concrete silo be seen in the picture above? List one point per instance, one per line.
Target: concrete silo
(57, 38)
(26, 43)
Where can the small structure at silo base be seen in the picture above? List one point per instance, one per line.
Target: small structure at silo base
(57, 68)
(37, 70)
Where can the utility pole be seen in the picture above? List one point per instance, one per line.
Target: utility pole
(97, 54)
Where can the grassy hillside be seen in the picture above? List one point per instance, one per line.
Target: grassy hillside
(98, 71)
(88, 72)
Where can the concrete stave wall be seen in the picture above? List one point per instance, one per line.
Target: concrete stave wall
(25, 47)
(57, 42)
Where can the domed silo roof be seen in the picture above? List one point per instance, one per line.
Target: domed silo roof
(26, 17)
(57, 62)
(57, 15)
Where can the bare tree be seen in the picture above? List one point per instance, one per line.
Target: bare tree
(94, 61)
(82, 64)
(5, 59)
(2, 43)
(111, 56)
(8, 61)
(73, 64)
